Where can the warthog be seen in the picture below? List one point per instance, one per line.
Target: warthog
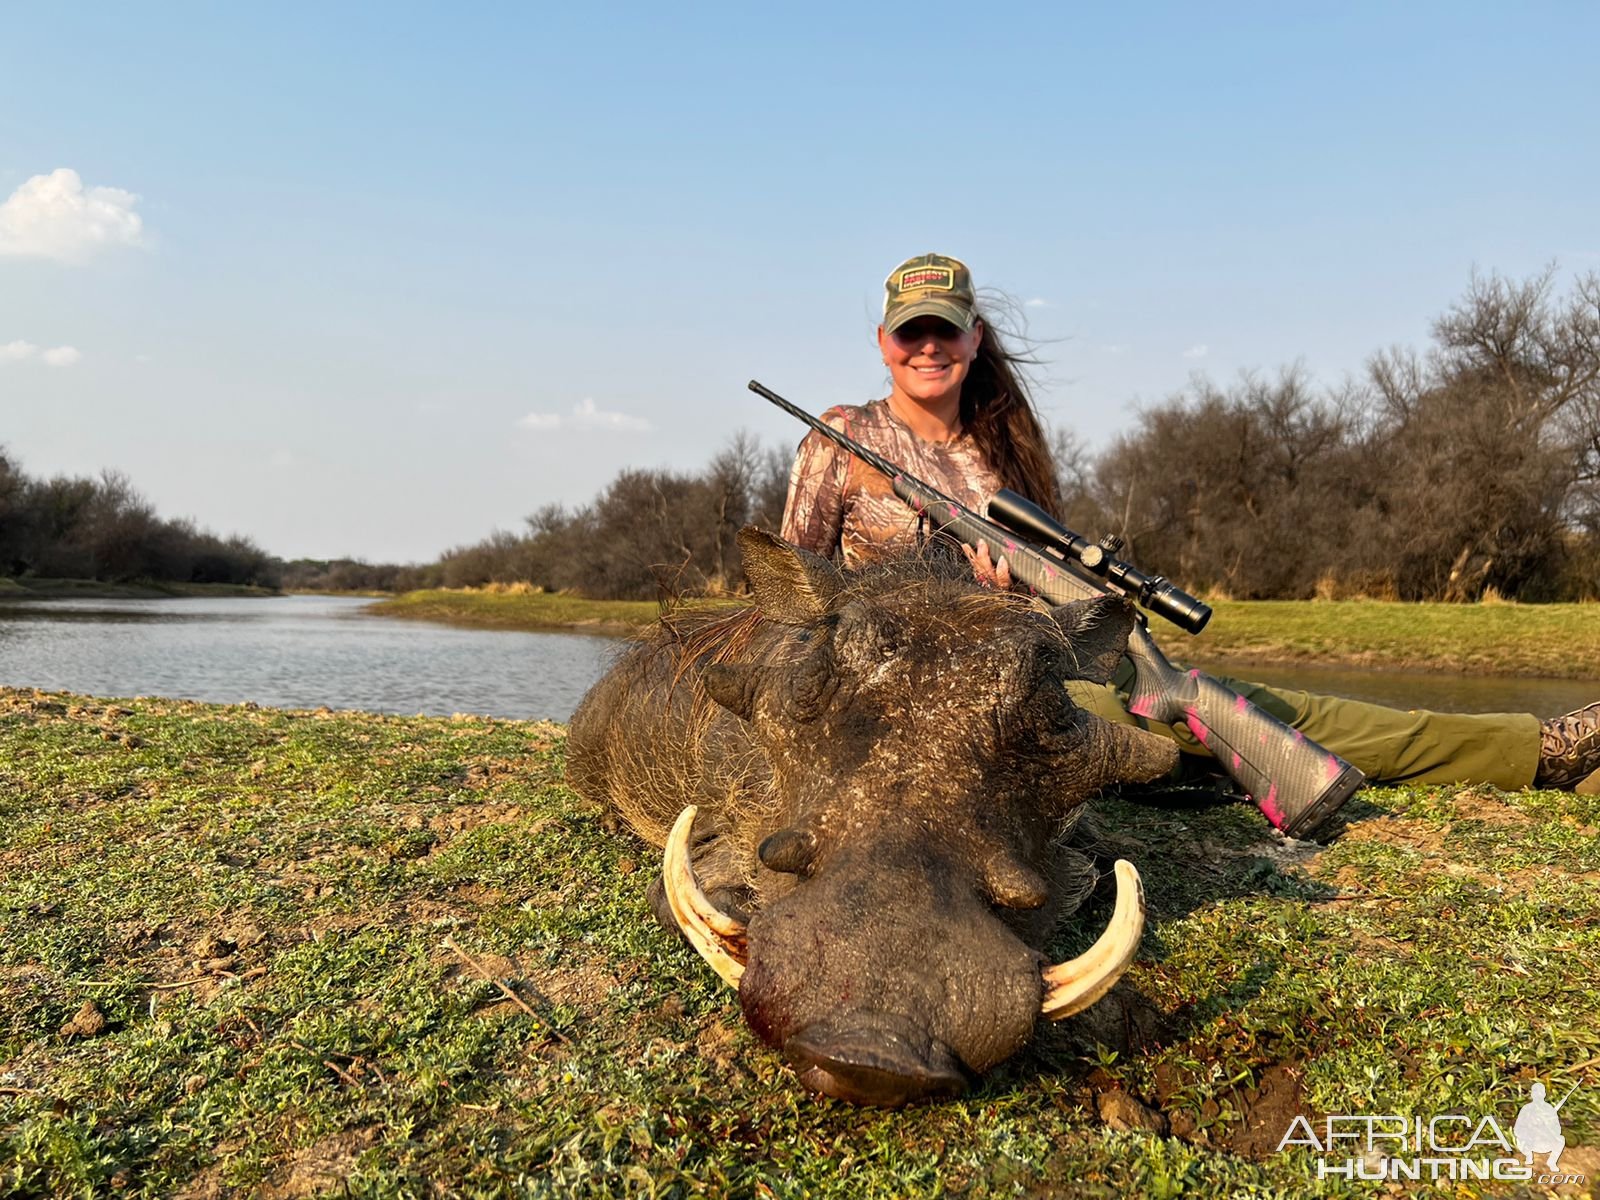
(883, 764)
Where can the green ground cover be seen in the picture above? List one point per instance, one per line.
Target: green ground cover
(523, 610)
(250, 951)
(1555, 640)
(1560, 641)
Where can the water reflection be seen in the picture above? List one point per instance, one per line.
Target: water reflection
(293, 652)
(1424, 689)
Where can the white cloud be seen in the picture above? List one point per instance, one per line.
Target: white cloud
(588, 416)
(20, 351)
(1114, 348)
(1037, 302)
(1199, 350)
(585, 415)
(54, 216)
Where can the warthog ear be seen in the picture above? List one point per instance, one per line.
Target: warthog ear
(791, 585)
(732, 685)
(1097, 632)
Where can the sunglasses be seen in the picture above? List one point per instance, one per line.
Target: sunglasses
(920, 329)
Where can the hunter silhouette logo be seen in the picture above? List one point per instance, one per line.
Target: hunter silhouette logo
(1538, 1128)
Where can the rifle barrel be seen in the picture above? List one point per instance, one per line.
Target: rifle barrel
(833, 435)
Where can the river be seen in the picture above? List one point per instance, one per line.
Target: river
(309, 651)
(293, 652)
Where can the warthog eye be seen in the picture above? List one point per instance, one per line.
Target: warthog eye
(875, 638)
(1030, 693)
(1044, 666)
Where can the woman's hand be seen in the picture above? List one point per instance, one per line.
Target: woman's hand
(990, 574)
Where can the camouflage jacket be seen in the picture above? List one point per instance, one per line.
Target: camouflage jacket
(842, 509)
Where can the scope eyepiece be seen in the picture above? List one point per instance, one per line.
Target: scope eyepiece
(1177, 606)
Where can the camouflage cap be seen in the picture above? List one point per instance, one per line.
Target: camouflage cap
(929, 285)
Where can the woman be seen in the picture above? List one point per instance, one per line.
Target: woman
(959, 418)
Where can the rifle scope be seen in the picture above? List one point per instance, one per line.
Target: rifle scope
(1152, 591)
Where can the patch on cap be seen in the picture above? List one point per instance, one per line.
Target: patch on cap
(943, 278)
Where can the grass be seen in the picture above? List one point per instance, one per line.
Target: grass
(1559, 641)
(498, 609)
(289, 925)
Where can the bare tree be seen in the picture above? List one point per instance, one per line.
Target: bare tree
(1486, 448)
(1239, 489)
(731, 478)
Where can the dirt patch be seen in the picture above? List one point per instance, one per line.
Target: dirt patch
(578, 986)
(485, 772)
(1440, 849)
(509, 1009)
(478, 895)
(1392, 829)
(322, 926)
(717, 1043)
(1259, 1115)
(473, 816)
(207, 1183)
(1432, 836)
(585, 987)
(31, 701)
(319, 1168)
(1489, 808)
(1121, 1111)
(1579, 1160)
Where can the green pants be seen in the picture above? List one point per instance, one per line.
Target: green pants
(1387, 744)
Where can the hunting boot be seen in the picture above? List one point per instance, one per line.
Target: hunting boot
(1569, 749)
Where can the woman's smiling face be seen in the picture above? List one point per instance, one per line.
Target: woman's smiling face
(929, 358)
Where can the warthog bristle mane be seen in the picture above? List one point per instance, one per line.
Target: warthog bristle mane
(654, 741)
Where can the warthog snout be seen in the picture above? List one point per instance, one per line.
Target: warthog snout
(875, 1059)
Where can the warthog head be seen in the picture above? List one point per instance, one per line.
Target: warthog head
(925, 757)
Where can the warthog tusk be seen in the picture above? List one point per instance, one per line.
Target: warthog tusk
(717, 936)
(1071, 987)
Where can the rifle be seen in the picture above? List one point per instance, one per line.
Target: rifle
(1295, 782)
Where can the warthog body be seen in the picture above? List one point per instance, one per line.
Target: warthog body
(884, 764)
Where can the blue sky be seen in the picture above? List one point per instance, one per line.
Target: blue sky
(376, 280)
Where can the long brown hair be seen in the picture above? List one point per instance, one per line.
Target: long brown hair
(998, 412)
